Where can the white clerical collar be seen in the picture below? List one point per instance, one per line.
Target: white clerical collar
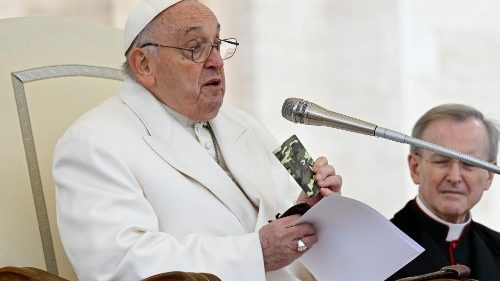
(454, 229)
(192, 127)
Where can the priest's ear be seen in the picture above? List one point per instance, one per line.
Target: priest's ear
(489, 178)
(414, 166)
(141, 67)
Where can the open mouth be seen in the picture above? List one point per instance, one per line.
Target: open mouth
(216, 82)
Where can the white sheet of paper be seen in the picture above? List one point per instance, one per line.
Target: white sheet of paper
(355, 242)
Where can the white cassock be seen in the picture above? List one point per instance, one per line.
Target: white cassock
(137, 194)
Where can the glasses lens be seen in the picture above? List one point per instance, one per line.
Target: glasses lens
(228, 48)
(202, 52)
(445, 164)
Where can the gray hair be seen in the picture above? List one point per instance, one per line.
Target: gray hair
(461, 113)
(145, 36)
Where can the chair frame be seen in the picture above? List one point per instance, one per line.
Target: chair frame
(19, 78)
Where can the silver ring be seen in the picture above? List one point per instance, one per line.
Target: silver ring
(301, 246)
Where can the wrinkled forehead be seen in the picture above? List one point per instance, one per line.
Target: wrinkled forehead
(468, 136)
(185, 19)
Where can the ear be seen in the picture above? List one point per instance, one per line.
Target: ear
(489, 180)
(414, 165)
(141, 66)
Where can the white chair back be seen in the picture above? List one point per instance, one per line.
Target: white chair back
(51, 71)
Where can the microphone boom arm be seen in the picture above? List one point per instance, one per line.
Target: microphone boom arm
(402, 138)
(305, 112)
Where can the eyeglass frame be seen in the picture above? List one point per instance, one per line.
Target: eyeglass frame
(465, 168)
(193, 49)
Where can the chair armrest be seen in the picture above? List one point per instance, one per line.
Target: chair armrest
(182, 276)
(13, 273)
(447, 273)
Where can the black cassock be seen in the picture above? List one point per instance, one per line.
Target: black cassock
(478, 247)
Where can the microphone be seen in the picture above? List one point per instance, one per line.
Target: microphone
(305, 112)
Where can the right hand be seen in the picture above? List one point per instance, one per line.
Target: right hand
(278, 240)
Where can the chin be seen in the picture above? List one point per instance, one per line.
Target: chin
(215, 105)
(453, 210)
(207, 115)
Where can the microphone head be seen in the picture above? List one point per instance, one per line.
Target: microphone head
(293, 109)
(305, 112)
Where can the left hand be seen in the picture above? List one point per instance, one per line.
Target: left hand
(326, 179)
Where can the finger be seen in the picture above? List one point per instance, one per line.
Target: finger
(289, 221)
(308, 241)
(331, 182)
(324, 172)
(327, 192)
(319, 162)
(304, 229)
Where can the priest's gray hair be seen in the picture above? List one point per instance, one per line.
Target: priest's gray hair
(460, 113)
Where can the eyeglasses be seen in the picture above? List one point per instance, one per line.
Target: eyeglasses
(201, 51)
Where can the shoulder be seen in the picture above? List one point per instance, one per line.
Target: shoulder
(406, 214)
(490, 236)
(112, 115)
(107, 124)
(406, 218)
(494, 235)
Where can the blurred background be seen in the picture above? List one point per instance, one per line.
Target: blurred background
(383, 61)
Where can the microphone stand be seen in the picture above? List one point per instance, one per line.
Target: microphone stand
(305, 112)
(402, 138)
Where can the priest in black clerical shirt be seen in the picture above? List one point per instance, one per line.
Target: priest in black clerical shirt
(439, 218)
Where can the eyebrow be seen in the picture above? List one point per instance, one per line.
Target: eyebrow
(437, 155)
(195, 29)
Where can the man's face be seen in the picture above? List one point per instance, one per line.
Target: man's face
(196, 90)
(448, 187)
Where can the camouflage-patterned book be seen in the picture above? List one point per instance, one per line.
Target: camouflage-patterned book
(294, 157)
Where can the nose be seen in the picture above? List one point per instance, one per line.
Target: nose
(214, 59)
(454, 173)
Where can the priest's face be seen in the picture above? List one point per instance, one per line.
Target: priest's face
(450, 188)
